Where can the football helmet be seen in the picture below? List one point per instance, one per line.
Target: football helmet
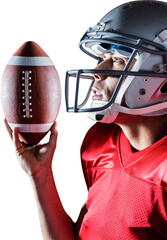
(136, 30)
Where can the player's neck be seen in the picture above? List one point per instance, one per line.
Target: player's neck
(144, 131)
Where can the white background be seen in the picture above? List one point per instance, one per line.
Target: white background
(57, 27)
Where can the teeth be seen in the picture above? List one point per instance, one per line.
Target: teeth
(97, 93)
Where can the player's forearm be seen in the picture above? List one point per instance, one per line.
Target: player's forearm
(55, 223)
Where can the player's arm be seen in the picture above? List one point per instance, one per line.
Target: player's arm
(36, 161)
(55, 223)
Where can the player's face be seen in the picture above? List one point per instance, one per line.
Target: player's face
(104, 85)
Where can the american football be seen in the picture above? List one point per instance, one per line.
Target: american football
(30, 92)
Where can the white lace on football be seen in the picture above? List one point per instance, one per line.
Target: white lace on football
(26, 98)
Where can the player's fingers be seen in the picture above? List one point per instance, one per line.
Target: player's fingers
(16, 139)
(8, 128)
(14, 135)
(53, 136)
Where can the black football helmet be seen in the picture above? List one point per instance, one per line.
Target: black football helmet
(136, 30)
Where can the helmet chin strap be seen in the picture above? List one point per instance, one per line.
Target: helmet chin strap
(105, 116)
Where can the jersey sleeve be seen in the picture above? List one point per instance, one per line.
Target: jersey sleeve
(98, 144)
(86, 163)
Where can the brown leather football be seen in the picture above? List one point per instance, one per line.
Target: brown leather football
(30, 92)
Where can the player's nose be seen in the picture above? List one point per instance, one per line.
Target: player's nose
(101, 66)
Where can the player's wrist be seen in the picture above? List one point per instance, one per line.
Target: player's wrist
(42, 175)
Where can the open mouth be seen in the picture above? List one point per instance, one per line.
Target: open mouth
(97, 94)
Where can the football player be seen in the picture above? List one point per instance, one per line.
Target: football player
(124, 155)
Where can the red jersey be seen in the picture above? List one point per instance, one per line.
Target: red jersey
(127, 196)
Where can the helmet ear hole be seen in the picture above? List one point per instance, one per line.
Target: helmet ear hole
(163, 89)
(99, 117)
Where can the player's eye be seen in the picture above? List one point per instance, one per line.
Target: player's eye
(118, 60)
(114, 59)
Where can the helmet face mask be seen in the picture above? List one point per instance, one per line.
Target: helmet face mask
(142, 87)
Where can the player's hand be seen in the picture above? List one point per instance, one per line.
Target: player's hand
(34, 159)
